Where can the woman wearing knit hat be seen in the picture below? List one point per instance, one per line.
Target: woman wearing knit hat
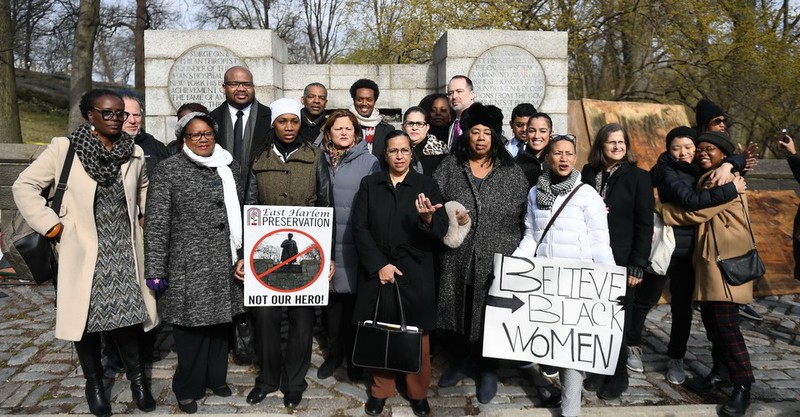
(481, 175)
(675, 176)
(288, 172)
(711, 118)
(722, 231)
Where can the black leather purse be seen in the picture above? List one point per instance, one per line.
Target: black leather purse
(31, 254)
(743, 268)
(388, 346)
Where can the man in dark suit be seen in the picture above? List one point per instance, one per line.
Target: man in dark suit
(243, 121)
(365, 93)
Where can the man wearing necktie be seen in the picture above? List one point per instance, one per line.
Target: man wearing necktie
(243, 121)
(461, 96)
(519, 128)
(243, 124)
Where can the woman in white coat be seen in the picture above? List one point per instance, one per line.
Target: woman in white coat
(580, 232)
(101, 279)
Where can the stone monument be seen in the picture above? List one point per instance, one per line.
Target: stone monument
(507, 68)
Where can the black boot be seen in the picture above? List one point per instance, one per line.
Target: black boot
(738, 403)
(88, 350)
(130, 352)
(716, 378)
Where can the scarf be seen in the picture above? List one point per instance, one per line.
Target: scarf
(547, 190)
(221, 159)
(601, 180)
(335, 154)
(101, 165)
(370, 121)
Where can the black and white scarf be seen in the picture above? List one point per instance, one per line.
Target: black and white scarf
(100, 164)
(547, 191)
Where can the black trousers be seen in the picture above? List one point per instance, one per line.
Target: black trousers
(338, 319)
(202, 359)
(681, 287)
(278, 372)
(796, 244)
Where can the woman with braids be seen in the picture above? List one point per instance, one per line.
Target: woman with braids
(102, 287)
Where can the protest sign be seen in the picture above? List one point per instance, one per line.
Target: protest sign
(555, 312)
(287, 255)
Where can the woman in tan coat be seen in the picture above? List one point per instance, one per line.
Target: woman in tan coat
(727, 225)
(101, 282)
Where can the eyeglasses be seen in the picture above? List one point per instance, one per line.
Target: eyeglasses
(238, 84)
(556, 138)
(110, 115)
(402, 151)
(708, 150)
(717, 121)
(415, 124)
(196, 137)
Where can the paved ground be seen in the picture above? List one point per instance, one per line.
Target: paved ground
(40, 374)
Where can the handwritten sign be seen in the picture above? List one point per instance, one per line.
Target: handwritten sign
(555, 312)
(287, 253)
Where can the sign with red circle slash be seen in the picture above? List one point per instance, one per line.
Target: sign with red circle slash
(287, 255)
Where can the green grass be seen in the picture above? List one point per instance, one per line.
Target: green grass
(40, 122)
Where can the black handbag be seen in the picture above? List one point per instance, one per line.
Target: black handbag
(388, 346)
(244, 345)
(740, 269)
(31, 254)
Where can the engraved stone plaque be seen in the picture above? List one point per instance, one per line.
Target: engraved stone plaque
(506, 76)
(197, 75)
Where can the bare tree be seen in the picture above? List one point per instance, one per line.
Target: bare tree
(9, 112)
(322, 19)
(80, 80)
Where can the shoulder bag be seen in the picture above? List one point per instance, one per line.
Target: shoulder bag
(30, 253)
(663, 246)
(388, 346)
(555, 215)
(740, 269)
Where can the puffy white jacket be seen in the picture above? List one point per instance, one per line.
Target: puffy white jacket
(580, 232)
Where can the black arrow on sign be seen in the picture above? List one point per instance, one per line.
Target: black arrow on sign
(512, 303)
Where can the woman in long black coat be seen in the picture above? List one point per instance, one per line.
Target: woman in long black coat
(397, 221)
(628, 194)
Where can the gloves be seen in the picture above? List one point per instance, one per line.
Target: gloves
(157, 284)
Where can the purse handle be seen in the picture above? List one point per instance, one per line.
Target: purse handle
(61, 187)
(749, 227)
(399, 303)
(553, 219)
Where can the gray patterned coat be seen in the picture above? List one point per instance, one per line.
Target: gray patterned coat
(497, 212)
(187, 241)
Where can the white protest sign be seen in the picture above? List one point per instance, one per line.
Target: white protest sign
(555, 312)
(287, 255)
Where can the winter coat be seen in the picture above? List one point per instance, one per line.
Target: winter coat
(532, 166)
(794, 165)
(345, 180)
(676, 181)
(78, 245)
(387, 229)
(579, 232)
(302, 180)
(733, 239)
(187, 241)
(630, 204)
(154, 150)
(496, 211)
(379, 140)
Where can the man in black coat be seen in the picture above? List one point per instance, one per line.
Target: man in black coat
(154, 150)
(243, 121)
(312, 115)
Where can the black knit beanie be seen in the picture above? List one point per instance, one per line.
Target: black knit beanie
(705, 111)
(680, 132)
(720, 140)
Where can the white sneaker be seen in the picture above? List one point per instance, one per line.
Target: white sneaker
(635, 359)
(675, 373)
